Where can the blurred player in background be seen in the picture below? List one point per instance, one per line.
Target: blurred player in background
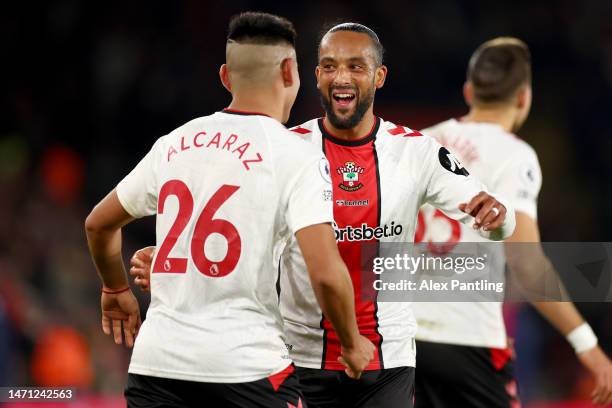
(213, 334)
(381, 174)
(464, 358)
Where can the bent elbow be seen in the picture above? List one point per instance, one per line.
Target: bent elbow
(93, 224)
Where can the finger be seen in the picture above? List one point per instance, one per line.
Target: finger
(145, 254)
(355, 375)
(138, 324)
(348, 370)
(137, 262)
(345, 364)
(603, 392)
(603, 398)
(606, 395)
(150, 252)
(117, 331)
(106, 326)
(596, 395)
(475, 203)
(136, 271)
(129, 328)
(143, 284)
(485, 210)
(491, 216)
(498, 221)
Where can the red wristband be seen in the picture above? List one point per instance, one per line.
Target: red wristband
(114, 292)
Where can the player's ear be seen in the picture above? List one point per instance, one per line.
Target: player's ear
(318, 74)
(468, 93)
(523, 97)
(225, 80)
(381, 76)
(288, 71)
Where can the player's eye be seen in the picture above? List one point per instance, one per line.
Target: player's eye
(356, 67)
(328, 67)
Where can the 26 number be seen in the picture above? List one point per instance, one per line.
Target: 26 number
(204, 227)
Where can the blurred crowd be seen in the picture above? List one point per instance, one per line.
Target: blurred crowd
(89, 86)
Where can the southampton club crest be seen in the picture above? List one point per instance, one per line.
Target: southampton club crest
(350, 176)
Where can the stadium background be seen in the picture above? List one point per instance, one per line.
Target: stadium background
(88, 86)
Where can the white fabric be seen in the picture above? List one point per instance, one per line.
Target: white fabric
(509, 166)
(582, 338)
(202, 327)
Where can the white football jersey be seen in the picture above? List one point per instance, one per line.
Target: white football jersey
(229, 191)
(507, 165)
(379, 183)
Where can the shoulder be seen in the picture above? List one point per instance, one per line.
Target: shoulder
(307, 130)
(510, 148)
(293, 144)
(399, 132)
(405, 140)
(442, 128)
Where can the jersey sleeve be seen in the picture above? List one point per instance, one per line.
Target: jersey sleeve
(137, 192)
(309, 195)
(520, 181)
(450, 184)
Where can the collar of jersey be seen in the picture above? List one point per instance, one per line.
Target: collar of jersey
(244, 113)
(343, 142)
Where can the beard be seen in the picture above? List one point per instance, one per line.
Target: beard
(363, 103)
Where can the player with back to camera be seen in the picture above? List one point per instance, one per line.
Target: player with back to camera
(463, 357)
(381, 174)
(213, 334)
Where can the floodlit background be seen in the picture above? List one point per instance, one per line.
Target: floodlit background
(87, 87)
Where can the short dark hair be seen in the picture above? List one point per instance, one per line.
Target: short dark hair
(261, 28)
(357, 28)
(498, 68)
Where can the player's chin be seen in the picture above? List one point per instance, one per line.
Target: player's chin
(344, 112)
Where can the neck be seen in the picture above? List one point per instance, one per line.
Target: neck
(259, 101)
(364, 127)
(503, 116)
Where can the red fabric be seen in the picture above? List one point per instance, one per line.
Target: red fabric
(300, 130)
(500, 357)
(365, 188)
(244, 112)
(399, 130)
(279, 378)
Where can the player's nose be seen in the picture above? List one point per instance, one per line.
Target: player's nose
(343, 76)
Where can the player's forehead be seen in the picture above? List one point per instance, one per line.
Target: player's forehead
(346, 45)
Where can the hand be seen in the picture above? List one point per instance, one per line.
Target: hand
(141, 267)
(357, 358)
(117, 309)
(487, 211)
(596, 361)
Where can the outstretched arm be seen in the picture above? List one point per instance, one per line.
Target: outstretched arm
(530, 267)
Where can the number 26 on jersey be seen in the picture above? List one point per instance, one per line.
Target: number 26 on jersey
(205, 225)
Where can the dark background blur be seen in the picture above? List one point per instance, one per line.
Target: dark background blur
(87, 87)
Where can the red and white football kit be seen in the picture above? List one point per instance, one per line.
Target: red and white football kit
(379, 183)
(229, 191)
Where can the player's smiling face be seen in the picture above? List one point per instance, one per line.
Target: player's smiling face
(347, 77)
